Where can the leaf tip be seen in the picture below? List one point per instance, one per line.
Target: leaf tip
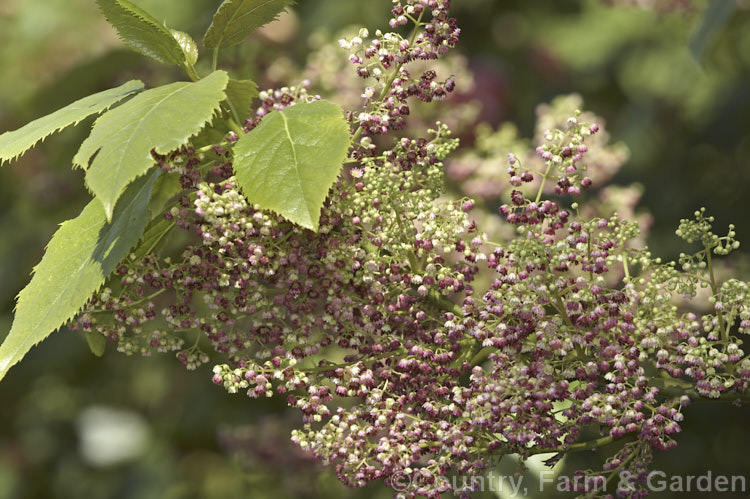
(5, 364)
(108, 211)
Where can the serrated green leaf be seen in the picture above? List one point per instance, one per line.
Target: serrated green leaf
(141, 32)
(290, 161)
(240, 94)
(14, 144)
(188, 45)
(236, 19)
(162, 118)
(97, 342)
(81, 255)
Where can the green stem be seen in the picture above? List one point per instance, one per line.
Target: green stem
(482, 355)
(333, 367)
(560, 306)
(235, 120)
(369, 159)
(235, 127)
(588, 255)
(579, 447)
(625, 462)
(210, 147)
(444, 304)
(715, 290)
(161, 236)
(673, 387)
(215, 59)
(135, 303)
(190, 70)
(544, 181)
(547, 172)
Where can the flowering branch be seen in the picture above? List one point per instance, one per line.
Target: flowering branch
(409, 341)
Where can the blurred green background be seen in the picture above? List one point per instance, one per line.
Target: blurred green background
(673, 86)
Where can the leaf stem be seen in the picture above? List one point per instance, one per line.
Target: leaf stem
(625, 268)
(210, 147)
(215, 59)
(235, 127)
(544, 181)
(235, 120)
(190, 70)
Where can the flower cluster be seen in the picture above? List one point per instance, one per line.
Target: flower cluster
(411, 344)
(476, 171)
(332, 76)
(385, 57)
(279, 99)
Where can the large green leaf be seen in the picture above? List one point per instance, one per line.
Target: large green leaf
(290, 161)
(15, 143)
(162, 118)
(81, 255)
(141, 32)
(240, 94)
(236, 19)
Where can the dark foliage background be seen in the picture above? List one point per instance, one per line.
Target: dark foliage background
(678, 95)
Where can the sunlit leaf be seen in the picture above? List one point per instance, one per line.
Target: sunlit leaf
(14, 144)
(188, 45)
(236, 19)
(162, 118)
(290, 161)
(81, 255)
(143, 33)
